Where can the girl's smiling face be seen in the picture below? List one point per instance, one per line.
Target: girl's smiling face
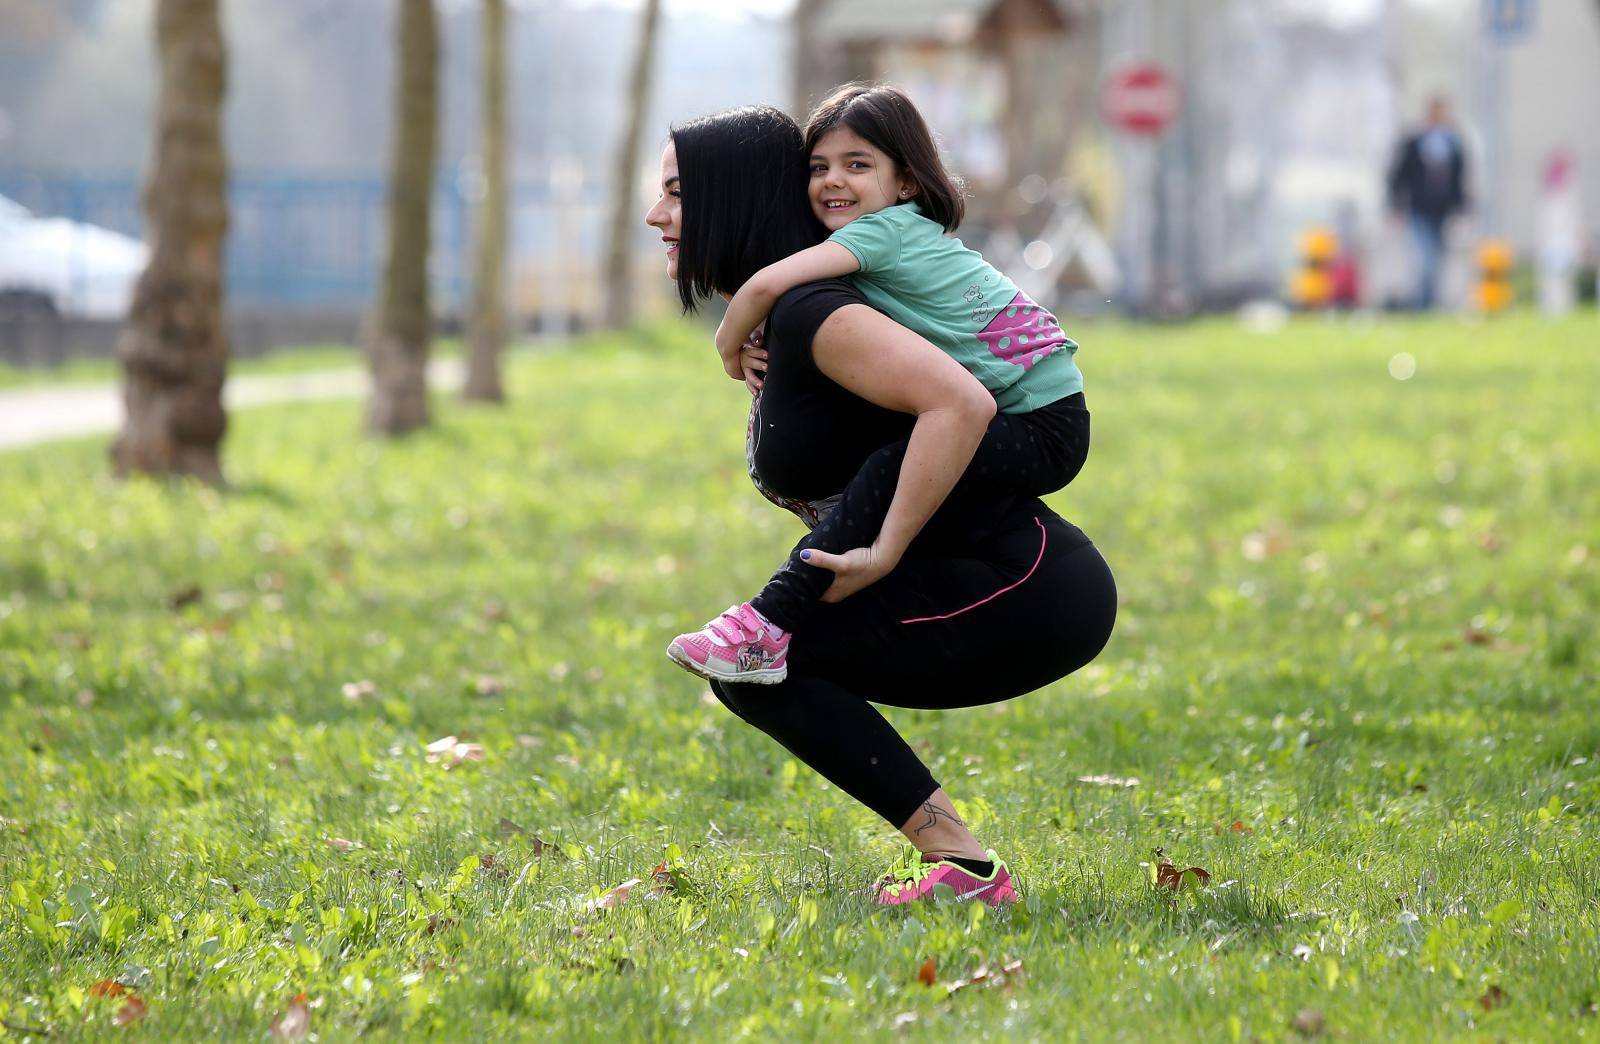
(667, 214)
(850, 178)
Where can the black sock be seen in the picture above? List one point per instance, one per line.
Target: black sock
(978, 867)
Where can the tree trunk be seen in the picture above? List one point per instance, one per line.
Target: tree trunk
(174, 349)
(399, 331)
(625, 211)
(488, 323)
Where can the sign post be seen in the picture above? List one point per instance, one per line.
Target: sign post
(1142, 100)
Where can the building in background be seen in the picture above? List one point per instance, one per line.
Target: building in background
(1287, 113)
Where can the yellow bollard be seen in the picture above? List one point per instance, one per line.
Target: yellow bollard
(1311, 285)
(1493, 292)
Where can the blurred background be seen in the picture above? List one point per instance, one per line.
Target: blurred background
(1153, 158)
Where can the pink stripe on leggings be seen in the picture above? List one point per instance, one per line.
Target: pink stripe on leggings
(997, 594)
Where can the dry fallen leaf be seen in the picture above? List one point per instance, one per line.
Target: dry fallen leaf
(1308, 1023)
(107, 988)
(612, 899)
(662, 876)
(1477, 636)
(1010, 974)
(508, 828)
(1238, 826)
(1494, 997)
(981, 975)
(1169, 876)
(357, 691)
(450, 752)
(132, 1010)
(1109, 781)
(928, 974)
(186, 595)
(294, 1022)
(341, 844)
(489, 685)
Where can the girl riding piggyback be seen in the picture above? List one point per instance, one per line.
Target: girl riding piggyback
(880, 190)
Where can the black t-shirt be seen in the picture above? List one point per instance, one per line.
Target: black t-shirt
(809, 435)
(814, 435)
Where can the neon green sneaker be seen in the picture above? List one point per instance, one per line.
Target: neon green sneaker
(917, 876)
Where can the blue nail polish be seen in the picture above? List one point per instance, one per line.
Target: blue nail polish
(806, 555)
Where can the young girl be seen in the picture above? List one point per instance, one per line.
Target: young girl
(878, 187)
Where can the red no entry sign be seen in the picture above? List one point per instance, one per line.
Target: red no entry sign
(1140, 99)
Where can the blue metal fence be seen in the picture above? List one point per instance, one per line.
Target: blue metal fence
(296, 241)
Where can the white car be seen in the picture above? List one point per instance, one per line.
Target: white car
(65, 267)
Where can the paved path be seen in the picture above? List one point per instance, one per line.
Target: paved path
(32, 415)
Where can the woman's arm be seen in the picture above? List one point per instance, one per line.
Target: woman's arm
(751, 305)
(871, 355)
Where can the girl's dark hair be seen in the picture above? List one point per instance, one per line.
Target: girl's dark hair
(742, 178)
(886, 118)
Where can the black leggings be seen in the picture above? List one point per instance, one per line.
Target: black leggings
(1031, 454)
(938, 633)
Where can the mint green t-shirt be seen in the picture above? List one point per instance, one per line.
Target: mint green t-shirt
(930, 283)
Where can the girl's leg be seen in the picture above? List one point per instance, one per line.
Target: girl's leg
(1030, 454)
(854, 522)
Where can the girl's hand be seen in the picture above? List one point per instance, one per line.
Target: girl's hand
(729, 346)
(753, 362)
(754, 378)
(852, 570)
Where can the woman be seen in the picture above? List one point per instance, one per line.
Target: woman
(994, 597)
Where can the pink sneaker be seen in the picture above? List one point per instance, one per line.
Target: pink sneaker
(918, 878)
(738, 646)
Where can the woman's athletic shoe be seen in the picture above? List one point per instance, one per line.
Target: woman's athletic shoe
(738, 646)
(918, 877)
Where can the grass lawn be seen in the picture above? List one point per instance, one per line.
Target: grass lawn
(1354, 675)
(280, 361)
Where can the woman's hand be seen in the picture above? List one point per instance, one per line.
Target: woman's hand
(852, 570)
(753, 361)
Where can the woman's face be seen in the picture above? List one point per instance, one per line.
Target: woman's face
(850, 178)
(667, 214)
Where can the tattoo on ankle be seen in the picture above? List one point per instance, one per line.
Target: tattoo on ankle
(934, 813)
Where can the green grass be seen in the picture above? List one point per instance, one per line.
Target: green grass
(280, 361)
(1359, 618)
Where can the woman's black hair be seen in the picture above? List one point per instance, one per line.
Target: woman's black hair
(742, 178)
(887, 119)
